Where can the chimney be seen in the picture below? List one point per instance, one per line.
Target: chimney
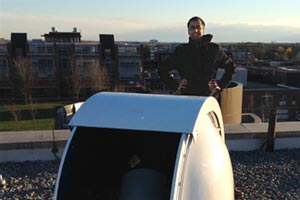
(53, 29)
(74, 30)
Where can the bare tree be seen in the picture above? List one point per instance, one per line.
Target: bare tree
(33, 111)
(23, 77)
(99, 77)
(119, 88)
(15, 113)
(77, 79)
(88, 73)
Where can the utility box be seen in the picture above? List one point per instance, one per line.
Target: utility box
(146, 147)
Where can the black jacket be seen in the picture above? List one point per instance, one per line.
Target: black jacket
(198, 62)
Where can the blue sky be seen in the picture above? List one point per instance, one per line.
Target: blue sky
(165, 20)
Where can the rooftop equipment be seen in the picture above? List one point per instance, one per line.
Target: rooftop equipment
(146, 146)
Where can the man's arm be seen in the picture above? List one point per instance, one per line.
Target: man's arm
(164, 72)
(229, 70)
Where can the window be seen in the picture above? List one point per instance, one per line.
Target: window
(3, 48)
(127, 51)
(282, 114)
(42, 68)
(41, 48)
(86, 49)
(282, 100)
(86, 62)
(50, 49)
(3, 69)
(129, 70)
(267, 100)
(293, 100)
(65, 50)
(86, 66)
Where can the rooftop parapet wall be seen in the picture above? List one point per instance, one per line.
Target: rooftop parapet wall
(44, 139)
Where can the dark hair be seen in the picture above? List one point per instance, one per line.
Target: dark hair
(196, 18)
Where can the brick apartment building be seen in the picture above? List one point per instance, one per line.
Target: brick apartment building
(52, 62)
(273, 86)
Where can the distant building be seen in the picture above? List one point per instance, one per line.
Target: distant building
(53, 60)
(262, 99)
(130, 64)
(288, 75)
(60, 37)
(153, 41)
(5, 83)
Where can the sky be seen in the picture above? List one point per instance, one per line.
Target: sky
(164, 20)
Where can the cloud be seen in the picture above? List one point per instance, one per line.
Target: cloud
(35, 25)
(126, 29)
(221, 33)
(254, 33)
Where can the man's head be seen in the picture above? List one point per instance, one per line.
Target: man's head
(196, 28)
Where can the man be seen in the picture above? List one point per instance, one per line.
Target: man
(197, 63)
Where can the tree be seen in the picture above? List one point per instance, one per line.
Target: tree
(77, 80)
(88, 74)
(119, 88)
(259, 52)
(23, 77)
(99, 77)
(296, 56)
(15, 113)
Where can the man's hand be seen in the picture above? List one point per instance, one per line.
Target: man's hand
(182, 85)
(214, 87)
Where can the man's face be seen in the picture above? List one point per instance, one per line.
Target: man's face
(196, 29)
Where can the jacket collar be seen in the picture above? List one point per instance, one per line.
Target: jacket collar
(205, 39)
